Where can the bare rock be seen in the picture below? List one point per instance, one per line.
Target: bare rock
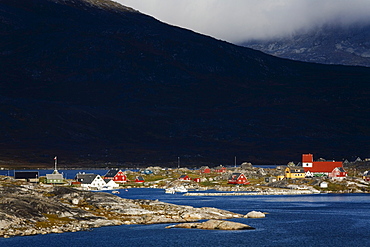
(254, 214)
(64, 209)
(215, 225)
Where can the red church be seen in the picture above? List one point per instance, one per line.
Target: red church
(333, 169)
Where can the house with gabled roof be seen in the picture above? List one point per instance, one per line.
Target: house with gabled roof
(205, 169)
(294, 172)
(184, 177)
(237, 178)
(366, 176)
(90, 181)
(147, 171)
(220, 168)
(110, 184)
(117, 176)
(139, 179)
(54, 178)
(338, 173)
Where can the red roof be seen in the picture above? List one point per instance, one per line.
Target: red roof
(323, 166)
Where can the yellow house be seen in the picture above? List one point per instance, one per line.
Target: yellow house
(294, 172)
(280, 176)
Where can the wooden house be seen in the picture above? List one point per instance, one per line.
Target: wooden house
(139, 179)
(270, 179)
(338, 173)
(184, 177)
(237, 178)
(294, 172)
(197, 180)
(117, 176)
(90, 181)
(323, 184)
(205, 169)
(366, 176)
(220, 168)
(76, 184)
(147, 172)
(110, 184)
(54, 178)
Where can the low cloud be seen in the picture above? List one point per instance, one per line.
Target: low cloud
(241, 20)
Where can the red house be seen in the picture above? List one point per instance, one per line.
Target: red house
(184, 177)
(318, 168)
(220, 168)
(197, 180)
(205, 169)
(338, 173)
(139, 179)
(237, 178)
(366, 176)
(116, 175)
(75, 183)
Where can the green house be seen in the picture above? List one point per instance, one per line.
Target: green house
(54, 178)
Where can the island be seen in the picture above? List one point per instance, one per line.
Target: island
(28, 209)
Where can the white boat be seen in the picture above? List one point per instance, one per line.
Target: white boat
(169, 191)
(181, 189)
(173, 190)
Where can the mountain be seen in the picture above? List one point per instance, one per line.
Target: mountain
(95, 82)
(327, 44)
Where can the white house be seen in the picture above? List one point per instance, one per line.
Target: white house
(323, 184)
(110, 184)
(91, 181)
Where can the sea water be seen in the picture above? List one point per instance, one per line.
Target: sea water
(294, 220)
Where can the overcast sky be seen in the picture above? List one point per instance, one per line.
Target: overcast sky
(240, 20)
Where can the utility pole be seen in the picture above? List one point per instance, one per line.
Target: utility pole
(235, 161)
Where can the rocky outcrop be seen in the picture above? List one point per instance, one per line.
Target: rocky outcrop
(255, 214)
(215, 225)
(36, 210)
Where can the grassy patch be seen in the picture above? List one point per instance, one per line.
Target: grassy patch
(53, 220)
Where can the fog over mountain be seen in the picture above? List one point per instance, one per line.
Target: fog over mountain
(328, 31)
(241, 20)
(329, 44)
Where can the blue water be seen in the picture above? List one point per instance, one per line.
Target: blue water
(68, 174)
(307, 220)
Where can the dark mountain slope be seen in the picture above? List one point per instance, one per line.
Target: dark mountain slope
(95, 80)
(328, 44)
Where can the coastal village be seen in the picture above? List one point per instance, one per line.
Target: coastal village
(307, 176)
(31, 204)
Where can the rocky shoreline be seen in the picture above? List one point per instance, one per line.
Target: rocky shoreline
(30, 210)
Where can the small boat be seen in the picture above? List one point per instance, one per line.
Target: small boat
(173, 190)
(169, 191)
(115, 192)
(181, 189)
